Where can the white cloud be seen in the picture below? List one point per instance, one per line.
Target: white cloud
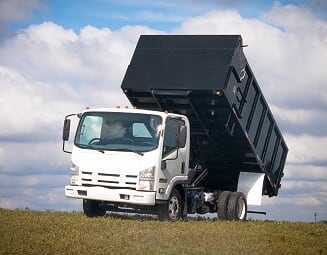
(46, 180)
(33, 158)
(307, 200)
(92, 59)
(32, 107)
(304, 52)
(296, 207)
(286, 61)
(12, 11)
(44, 52)
(304, 188)
(15, 10)
(48, 71)
(296, 116)
(14, 203)
(38, 199)
(287, 17)
(305, 172)
(306, 148)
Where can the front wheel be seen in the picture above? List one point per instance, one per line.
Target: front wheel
(172, 210)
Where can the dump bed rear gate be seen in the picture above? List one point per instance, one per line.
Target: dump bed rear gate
(208, 79)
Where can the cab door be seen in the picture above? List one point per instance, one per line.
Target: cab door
(174, 153)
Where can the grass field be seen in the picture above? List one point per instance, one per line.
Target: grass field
(36, 232)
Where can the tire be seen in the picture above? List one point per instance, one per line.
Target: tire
(222, 205)
(172, 210)
(91, 208)
(237, 206)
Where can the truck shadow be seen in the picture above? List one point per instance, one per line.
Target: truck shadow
(131, 216)
(151, 217)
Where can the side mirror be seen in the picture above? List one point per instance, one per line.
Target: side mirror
(182, 136)
(66, 130)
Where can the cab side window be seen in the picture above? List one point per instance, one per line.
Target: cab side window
(171, 136)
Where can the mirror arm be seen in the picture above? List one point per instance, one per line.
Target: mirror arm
(66, 131)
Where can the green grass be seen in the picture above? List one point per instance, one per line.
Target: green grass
(35, 232)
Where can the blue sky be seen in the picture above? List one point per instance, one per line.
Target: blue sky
(56, 57)
(157, 14)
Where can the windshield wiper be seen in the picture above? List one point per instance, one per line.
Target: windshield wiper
(90, 147)
(129, 150)
(102, 151)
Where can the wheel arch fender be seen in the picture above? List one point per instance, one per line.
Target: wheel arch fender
(176, 183)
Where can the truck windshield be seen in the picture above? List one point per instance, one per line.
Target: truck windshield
(118, 131)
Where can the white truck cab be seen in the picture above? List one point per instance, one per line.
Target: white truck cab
(127, 157)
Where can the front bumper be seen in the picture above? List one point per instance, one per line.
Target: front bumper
(111, 195)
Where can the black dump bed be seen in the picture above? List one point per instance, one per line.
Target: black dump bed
(208, 78)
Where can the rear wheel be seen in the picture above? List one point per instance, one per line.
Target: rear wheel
(91, 208)
(237, 206)
(172, 210)
(222, 204)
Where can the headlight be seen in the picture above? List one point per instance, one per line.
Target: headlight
(146, 180)
(74, 171)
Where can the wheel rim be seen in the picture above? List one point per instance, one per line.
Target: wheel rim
(173, 208)
(241, 209)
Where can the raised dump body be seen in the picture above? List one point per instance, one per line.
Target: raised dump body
(208, 79)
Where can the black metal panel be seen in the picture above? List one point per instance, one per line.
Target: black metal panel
(208, 79)
(181, 62)
(188, 41)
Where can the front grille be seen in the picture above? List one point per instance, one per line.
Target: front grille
(112, 175)
(109, 180)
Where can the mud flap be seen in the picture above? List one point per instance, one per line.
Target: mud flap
(251, 185)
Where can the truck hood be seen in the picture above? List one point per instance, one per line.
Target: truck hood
(112, 162)
(112, 169)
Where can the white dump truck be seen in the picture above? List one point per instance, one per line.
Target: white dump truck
(200, 137)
